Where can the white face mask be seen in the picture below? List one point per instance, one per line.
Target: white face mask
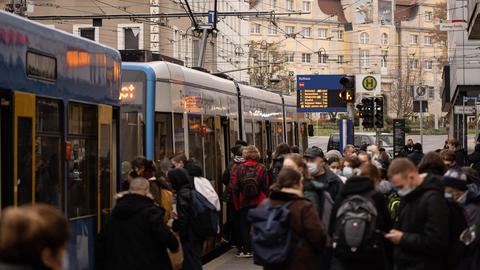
(312, 168)
(404, 191)
(347, 172)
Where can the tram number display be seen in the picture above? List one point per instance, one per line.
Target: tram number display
(131, 93)
(320, 93)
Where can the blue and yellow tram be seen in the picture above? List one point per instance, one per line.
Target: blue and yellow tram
(167, 109)
(59, 126)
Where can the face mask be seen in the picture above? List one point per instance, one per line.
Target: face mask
(347, 172)
(448, 195)
(404, 191)
(312, 168)
(462, 199)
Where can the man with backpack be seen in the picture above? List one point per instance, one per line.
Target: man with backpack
(421, 234)
(358, 217)
(249, 187)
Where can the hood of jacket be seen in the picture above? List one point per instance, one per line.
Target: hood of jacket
(180, 178)
(473, 194)
(430, 182)
(357, 185)
(238, 159)
(283, 196)
(131, 204)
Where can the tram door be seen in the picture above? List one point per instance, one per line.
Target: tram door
(6, 177)
(105, 177)
(269, 142)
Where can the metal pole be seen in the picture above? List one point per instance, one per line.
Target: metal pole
(421, 122)
(476, 120)
(463, 123)
(202, 49)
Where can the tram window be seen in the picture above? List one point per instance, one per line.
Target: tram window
(279, 133)
(179, 133)
(82, 166)
(289, 134)
(195, 138)
(24, 160)
(48, 162)
(258, 137)
(210, 155)
(105, 170)
(233, 129)
(163, 140)
(296, 132)
(132, 129)
(249, 132)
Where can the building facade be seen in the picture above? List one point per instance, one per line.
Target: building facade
(398, 39)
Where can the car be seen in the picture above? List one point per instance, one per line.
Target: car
(361, 138)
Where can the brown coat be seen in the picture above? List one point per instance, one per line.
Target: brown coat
(306, 228)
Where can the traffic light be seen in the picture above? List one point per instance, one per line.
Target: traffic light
(379, 112)
(348, 88)
(368, 112)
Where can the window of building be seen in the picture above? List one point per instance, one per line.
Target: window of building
(290, 57)
(364, 58)
(413, 63)
(427, 40)
(289, 5)
(429, 64)
(340, 59)
(384, 39)
(255, 28)
(306, 57)
(322, 58)
(306, 31)
(364, 38)
(130, 36)
(431, 92)
(289, 29)
(273, 4)
(86, 31)
(322, 33)
(428, 16)
(338, 34)
(306, 6)
(413, 39)
(272, 29)
(383, 61)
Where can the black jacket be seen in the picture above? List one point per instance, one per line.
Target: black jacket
(473, 158)
(136, 237)
(460, 157)
(332, 182)
(416, 156)
(424, 220)
(363, 185)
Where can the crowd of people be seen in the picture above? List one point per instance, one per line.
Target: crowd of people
(358, 209)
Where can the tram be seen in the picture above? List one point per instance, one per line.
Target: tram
(167, 109)
(59, 129)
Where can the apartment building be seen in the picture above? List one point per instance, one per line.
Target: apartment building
(397, 39)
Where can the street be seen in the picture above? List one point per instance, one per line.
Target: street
(430, 142)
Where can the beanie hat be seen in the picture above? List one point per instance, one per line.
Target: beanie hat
(333, 154)
(455, 178)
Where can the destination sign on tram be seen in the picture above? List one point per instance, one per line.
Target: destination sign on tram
(320, 93)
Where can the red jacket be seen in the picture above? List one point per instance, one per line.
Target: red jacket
(239, 199)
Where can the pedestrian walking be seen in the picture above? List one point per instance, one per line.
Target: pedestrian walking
(300, 237)
(408, 148)
(278, 156)
(249, 187)
(460, 155)
(421, 233)
(351, 166)
(320, 172)
(450, 159)
(417, 154)
(33, 238)
(136, 226)
(358, 198)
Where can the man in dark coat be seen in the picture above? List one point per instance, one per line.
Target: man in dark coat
(408, 148)
(321, 173)
(136, 237)
(460, 155)
(421, 235)
(361, 185)
(417, 154)
(474, 159)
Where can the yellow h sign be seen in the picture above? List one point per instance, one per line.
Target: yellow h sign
(369, 83)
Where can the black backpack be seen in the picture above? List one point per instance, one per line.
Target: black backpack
(457, 250)
(276, 168)
(205, 220)
(247, 180)
(354, 237)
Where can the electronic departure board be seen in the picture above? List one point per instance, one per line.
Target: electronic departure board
(320, 93)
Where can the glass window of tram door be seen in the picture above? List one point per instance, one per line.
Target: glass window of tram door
(258, 137)
(132, 102)
(210, 148)
(24, 160)
(48, 155)
(82, 166)
(179, 133)
(249, 132)
(195, 141)
(163, 140)
(296, 132)
(289, 134)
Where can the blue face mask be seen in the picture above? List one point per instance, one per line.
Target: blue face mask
(448, 195)
(312, 168)
(347, 172)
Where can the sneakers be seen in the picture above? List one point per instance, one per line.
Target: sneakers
(244, 255)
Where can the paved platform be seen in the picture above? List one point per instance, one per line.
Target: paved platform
(228, 261)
